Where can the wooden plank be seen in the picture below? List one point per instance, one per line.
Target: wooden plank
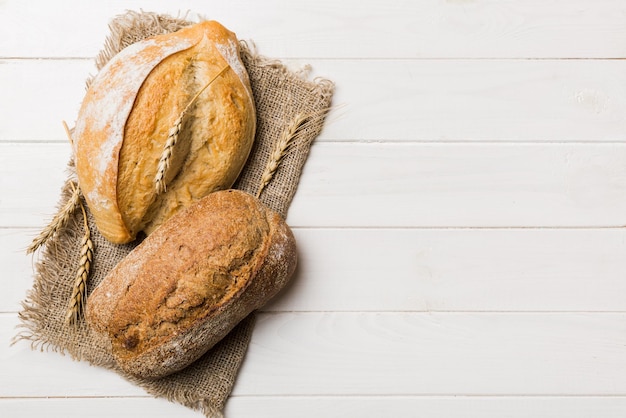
(460, 220)
(329, 407)
(396, 185)
(456, 185)
(37, 95)
(391, 29)
(485, 100)
(395, 353)
(31, 177)
(433, 407)
(424, 270)
(18, 269)
(380, 354)
(420, 100)
(27, 372)
(457, 270)
(96, 408)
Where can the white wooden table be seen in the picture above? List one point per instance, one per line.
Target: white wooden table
(460, 219)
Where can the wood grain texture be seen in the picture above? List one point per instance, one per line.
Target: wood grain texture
(48, 91)
(391, 29)
(391, 353)
(424, 270)
(28, 191)
(460, 219)
(399, 185)
(456, 185)
(401, 406)
(478, 100)
(18, 267)
(405, 100)
(381, 354)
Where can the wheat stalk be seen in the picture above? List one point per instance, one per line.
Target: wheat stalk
(58, 222)
(68, 133)
(172, 137)
(60, 219)
(281, 146)
(79, 290)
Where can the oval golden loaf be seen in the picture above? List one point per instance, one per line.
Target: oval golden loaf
(133, 108)
(191, 281)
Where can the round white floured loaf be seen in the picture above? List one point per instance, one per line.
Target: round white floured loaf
(128, 114)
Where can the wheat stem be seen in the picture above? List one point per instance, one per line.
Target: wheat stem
(60, 219)
(58, 222)
(79, 289)
(172, 137)
(281, 146)
(68, 133)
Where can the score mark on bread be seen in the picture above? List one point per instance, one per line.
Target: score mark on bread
(129, 110)
(191, 282)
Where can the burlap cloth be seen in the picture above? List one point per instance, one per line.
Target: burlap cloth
(280, 96)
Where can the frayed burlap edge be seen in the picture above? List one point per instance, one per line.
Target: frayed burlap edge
(280, 96)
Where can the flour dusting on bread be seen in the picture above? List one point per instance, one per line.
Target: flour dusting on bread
(125, 119)
(201, 273)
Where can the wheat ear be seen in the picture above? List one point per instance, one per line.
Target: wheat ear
(281, 146)
(60, 219)
(58, 222)
(172, 137)
(79, 290)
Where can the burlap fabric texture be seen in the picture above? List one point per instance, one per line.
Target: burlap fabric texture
(281, 96)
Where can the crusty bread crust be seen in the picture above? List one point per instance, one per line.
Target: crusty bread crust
(191, 281)
(126, 115)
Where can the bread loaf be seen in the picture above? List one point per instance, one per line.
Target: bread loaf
(191, 281)
(133, 106)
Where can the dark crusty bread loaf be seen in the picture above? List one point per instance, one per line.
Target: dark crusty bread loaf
(191, 281)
